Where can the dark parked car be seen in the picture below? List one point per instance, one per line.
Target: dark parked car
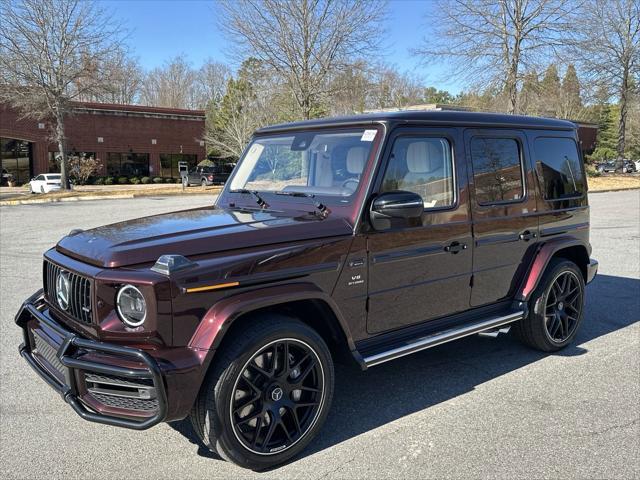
(205, 176)
(627, 166)
(370, 237)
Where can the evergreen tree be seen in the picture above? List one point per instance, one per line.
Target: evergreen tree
(550, 88)
(530, 93)
(571, 103)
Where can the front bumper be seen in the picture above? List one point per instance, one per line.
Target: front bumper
(592, 269)
(68, 363)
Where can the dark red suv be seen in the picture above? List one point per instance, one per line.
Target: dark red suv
(376, 236)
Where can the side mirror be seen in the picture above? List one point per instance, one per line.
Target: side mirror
(398, 204)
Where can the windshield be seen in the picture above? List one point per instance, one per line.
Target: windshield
(310, 162)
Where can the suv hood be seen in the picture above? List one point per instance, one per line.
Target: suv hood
(193, 232)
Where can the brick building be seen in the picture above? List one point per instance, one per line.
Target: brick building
(129, 140)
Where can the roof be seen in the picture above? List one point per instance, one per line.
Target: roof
(429, 117)
(113, 107)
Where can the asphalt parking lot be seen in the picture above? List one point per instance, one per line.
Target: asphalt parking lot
(478, 408)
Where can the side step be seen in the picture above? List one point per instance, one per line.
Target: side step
(439, 338)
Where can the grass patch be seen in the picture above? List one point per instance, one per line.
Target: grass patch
(613, 182)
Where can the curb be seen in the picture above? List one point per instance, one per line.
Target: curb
(29, 201)
(614, 190)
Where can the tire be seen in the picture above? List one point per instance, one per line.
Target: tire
(552, 326)
(203, 183)
(244, 363)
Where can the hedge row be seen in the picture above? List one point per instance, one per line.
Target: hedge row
(132, 180)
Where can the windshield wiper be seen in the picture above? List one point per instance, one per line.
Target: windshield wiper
(323, 210)
(259, 200)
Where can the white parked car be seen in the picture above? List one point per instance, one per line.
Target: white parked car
(637, 164)
(45, 183)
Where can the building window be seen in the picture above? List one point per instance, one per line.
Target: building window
(15, 157)
(559, 168)
(54, 159)
(422, 165)
(169, 163)
(128, 164)
(497, 170)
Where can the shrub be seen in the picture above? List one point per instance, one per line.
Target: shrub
(157, 180)
(98, 181)
(134, 180)
(145, 180)
(177, 180)
(123, 180)
(82, 167)
(168, 180)
(108, 181)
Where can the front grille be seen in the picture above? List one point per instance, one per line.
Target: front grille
(79, 292)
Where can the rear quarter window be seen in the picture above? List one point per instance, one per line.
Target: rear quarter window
(559, 168)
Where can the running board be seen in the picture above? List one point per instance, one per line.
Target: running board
(441, 337)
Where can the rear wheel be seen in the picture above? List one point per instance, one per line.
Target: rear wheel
(555, 308)
(267, 395)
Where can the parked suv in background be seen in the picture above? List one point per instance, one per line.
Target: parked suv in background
(372, 236)
(627, 166)
(208, 175)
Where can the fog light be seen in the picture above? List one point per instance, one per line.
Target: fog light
(131, 306)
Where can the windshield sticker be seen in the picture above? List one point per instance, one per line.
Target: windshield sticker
(254, 152)
(368, 135)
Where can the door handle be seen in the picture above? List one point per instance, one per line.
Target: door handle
(455, 247)
(527, 235)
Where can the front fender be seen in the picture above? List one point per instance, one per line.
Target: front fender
(220, 316)
(539, 264)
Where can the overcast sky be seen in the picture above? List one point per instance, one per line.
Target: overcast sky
(161, 29)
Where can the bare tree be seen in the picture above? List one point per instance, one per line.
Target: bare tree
(252, 100)
(607, 46)
(212, 81)
(53, 52)
(304, 41)
(172, 85)
(494, 42)
(122, 77)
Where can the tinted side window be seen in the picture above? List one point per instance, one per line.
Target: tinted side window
(422, 165)
(497, 170)
(559, 169)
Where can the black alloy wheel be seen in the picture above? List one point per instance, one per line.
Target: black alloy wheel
(267, 393)
(563, 306)
(277, 396)
(555, 308)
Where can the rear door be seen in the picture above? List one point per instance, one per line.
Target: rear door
(421, 271)
(504, 211)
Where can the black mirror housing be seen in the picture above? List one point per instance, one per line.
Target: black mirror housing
(398, 204)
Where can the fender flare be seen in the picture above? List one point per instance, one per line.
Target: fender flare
(543, 256)
(216, 322)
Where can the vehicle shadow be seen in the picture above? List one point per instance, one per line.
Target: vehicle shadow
(364, 401)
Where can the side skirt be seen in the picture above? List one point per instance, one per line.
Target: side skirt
(391, 351)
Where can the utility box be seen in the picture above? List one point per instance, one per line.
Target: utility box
(183, 168)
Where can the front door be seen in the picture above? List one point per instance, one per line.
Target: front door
(421, 271)
(505, 219)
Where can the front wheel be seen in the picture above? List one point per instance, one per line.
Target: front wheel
(267, 395)
(555, 308)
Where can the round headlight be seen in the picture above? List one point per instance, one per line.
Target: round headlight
(131, 306)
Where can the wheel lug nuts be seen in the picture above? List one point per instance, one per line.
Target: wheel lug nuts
(295, 373)
(296, 394)
(281, 410)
